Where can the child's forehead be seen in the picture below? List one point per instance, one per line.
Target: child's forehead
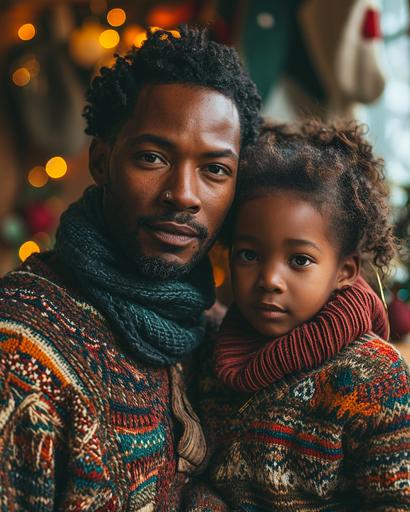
(280, 216)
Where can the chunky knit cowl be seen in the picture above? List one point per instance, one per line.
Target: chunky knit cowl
(247, 361)
(159, 320)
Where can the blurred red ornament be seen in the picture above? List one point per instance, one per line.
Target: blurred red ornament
(371, 24)
(399, 317)
(39, 218)
(169, 16)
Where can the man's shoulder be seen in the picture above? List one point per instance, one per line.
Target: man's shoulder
(42, 320)
(37, 292)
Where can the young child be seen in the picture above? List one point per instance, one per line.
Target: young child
(294, 425)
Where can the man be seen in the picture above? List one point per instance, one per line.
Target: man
(92, 416)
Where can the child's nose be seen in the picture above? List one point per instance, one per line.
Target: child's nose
(271, 279)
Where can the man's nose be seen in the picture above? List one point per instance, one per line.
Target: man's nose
(272, 278)
(181, 189)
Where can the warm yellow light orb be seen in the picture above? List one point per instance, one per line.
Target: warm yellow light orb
(56, 167)
(139, 39)
(37, 177)
(27, 249)
(116, 17)
(109, 38)
(21, 77)
(26, 32)
(219, 276)
(131, 33)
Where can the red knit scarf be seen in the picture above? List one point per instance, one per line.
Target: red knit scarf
(246, 361)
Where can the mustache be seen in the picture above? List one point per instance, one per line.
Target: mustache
(178, 218)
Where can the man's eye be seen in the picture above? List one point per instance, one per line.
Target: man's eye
(300, 261)
(149, 158)
(246, 255)
(218, 170)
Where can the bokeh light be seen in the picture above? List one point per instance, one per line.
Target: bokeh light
(109, 38)
(32, 65)
(139, 39)
(116, 17)
(37, 177)
(168, 15)
(26, 32)
(219, 276)
(13, 229)
(56, 167)
(21, 77)
(43, 240)
(27, 249)
(132, 35)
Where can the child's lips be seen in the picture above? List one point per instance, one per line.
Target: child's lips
(270, 306)
(271, 311)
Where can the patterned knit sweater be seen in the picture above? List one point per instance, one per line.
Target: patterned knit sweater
(83, 426)
(336, 438)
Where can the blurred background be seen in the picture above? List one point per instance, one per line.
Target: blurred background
(327, 58)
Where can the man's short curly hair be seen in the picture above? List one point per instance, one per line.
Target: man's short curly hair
(333, 167)
(166, 58)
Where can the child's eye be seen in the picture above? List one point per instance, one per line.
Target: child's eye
(300, 261)
(246, 255)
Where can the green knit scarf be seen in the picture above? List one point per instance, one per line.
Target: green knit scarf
(159, 320)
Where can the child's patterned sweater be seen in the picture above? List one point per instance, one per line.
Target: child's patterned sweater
(336, 438)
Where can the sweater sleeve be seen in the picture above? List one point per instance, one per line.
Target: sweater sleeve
(381, 464)
(29, 429)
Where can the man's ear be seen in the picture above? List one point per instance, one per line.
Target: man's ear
(99, 154)
(349, 271)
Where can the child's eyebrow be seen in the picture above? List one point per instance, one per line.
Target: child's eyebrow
(246, 238)
(301, 241)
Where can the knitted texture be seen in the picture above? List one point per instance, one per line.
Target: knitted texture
(83, 425)
(161, 321)
(246, 361)
(335, 438)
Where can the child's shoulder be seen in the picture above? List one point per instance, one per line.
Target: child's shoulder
(365, 380)
(371, 355)
(369, 370)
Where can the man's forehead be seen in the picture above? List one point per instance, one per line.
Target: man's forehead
(172, 110)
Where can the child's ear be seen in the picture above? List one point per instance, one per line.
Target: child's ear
(99, 154)
(349, 271)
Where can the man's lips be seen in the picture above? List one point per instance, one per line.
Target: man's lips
(172, 233)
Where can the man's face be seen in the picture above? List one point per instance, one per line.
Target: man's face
(170, 176)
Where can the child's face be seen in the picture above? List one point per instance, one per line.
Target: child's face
(284, 265)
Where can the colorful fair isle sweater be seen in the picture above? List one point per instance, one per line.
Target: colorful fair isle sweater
(336, 438)
(83, 425)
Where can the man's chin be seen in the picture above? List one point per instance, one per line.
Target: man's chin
(160, 268)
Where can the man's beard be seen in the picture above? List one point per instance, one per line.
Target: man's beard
(157, 267)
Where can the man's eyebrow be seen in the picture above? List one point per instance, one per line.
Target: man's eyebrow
(301, 241)
(155, 139)
(168, 144)
(221, 154)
